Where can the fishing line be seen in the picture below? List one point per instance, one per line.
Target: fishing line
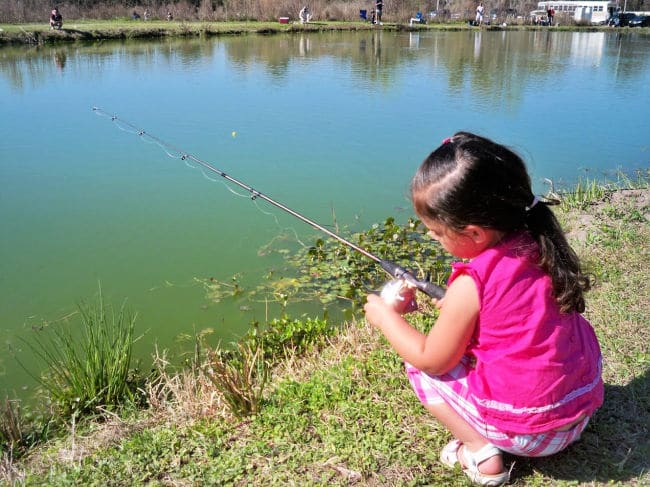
(391, 268)
(188, 159)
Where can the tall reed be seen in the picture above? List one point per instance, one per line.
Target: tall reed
(88, 364)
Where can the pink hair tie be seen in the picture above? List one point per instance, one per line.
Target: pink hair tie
(446, 141)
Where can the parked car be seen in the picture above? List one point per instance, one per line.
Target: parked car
(639, 21)
(538, 17)
(621, 19)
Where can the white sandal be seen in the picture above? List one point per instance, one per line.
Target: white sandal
(449, 456)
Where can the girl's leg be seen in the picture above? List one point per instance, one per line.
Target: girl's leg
(467, 435)
(454, 385)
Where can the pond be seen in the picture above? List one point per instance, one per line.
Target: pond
(332, 125)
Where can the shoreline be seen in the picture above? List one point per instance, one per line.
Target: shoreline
(89, 30)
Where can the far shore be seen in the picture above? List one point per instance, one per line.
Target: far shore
(95, 30)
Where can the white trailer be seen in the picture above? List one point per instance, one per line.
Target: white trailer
(582, 11)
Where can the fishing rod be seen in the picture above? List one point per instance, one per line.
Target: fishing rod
(391, 268)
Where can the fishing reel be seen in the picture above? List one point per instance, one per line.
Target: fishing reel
(400, 292)
(400, 295)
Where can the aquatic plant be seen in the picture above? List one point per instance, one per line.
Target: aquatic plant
(330, 271)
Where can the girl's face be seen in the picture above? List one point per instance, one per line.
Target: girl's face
(467, 243)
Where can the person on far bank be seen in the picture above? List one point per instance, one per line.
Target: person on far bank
(304, 15)
(550, 13)
(379, 7)
(480, 10)
(510, 365)
(56, 19)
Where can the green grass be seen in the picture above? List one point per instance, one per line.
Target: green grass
(588, 191)
(341, 412)
(73, 30)
(87, 362)
(126, 29)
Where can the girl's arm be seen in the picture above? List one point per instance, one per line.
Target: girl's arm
(440, 350)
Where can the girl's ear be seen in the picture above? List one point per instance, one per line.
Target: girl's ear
(484, 237)
(479, 235)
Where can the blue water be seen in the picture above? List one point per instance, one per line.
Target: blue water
(332, 125)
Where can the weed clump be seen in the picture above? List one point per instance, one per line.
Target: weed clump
(88, 366)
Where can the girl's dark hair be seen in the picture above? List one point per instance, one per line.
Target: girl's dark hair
(471, 180)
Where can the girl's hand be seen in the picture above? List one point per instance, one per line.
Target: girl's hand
(379, 312)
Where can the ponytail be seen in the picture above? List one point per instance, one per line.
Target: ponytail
(557, 258)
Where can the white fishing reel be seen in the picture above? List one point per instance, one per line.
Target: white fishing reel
(400, 294)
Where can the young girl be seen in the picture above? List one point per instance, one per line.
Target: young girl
(510, 364)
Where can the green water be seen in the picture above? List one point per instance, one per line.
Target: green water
(332, 125)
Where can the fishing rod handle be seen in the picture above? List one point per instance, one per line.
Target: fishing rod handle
(430, 289)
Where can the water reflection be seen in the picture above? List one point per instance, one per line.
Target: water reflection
(36, 64)
(414, 40)
(60, 58)
(377, 55)
(304, 45)
(477, 46)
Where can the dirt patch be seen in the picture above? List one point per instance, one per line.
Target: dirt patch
(630, 203)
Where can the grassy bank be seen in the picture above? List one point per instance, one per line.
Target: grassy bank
(342, 413)
(95, 30)
(92, 30)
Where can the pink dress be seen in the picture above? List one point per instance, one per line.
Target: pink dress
(536, 369)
